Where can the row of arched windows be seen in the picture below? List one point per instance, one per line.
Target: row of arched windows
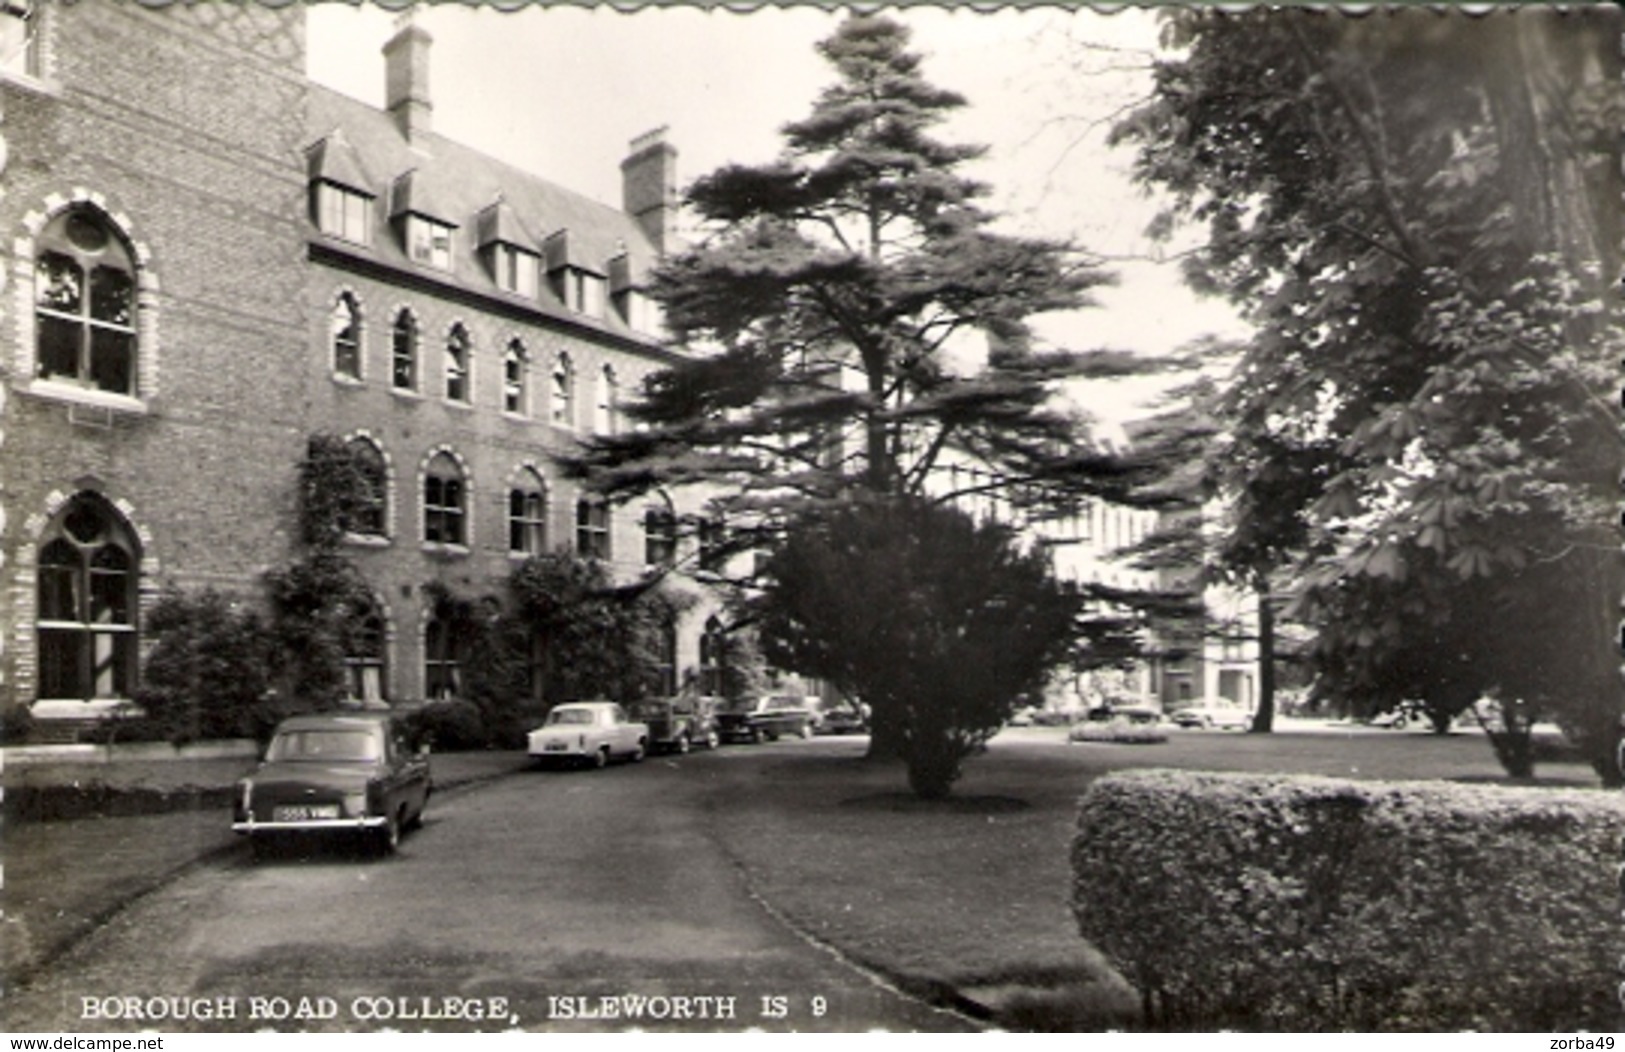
(87, 600)
(446, 501)
(408, 368)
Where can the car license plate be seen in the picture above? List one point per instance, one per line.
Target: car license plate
(557, 746)
(305, 812)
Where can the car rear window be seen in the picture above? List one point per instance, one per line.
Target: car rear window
(324, 745)
(570, 716)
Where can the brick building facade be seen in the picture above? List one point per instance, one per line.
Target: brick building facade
(209, 259)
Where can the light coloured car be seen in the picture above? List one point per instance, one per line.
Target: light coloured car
(588, 732)
(1215, 714)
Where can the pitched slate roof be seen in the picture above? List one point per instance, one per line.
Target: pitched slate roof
(455, 184)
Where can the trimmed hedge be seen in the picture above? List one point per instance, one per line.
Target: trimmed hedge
(1120, 731)
(1297, 903)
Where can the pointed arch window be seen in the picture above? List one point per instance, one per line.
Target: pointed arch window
(369, 515)
(592, 528)
(457, 351)
(711, 657)
(445, 500)
(364, 654)
(563, 393)
(404, 352)
(345, 327)
(527, 515)
(85, 303)
(442, 671)
(664, 673)
(604, 422)
(87, 596)
(514, 368)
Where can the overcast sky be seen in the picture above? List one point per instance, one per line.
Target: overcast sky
(561, 91)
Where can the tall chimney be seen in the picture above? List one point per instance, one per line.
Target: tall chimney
(649, 187)
(406, 79)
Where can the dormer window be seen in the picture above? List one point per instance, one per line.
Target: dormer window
(19, 37)
(631, 304)
(428, 241)
(342, 212)
(515, 269)
(506, 244)
(577, 286)
(425, 236)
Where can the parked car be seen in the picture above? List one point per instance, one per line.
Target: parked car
(1128, 713)
(1216, 714)
(1400, 716)
(588, 732)
(334, 773)
(678, 724)
(764, 719)
(843, 717)
(1022, 717)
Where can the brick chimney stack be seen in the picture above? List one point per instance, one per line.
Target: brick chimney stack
(649, 187)
(406, 79)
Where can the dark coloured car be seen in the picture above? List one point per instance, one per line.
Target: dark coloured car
(842, 718)
(764, 719)
(338, 773)
(679, 724)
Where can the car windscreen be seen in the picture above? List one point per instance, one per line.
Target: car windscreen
(569, 717)
(324, 745)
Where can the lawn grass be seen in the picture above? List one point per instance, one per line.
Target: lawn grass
(972, 894)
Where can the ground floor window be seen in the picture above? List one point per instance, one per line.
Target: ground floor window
(86, 591)
(442, 673)
(711, 662)
(364, 657)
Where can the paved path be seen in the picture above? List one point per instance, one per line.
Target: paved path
(530, 900)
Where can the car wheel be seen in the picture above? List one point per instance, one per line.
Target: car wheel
(712, 739)
(756, 736)
(601, 757)
(683, 744)
(388, 836)
(639, 753)
(805, 730)
(262, 845)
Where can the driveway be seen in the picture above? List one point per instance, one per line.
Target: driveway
(545, 901)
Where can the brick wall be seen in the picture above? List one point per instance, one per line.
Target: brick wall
(192, 140)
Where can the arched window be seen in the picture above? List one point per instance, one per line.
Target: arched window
(659, 536)
(345, 327)
(457, 364)
(514, 366)
(608, 395)
(592, 528)
(711, 657)
(404, 352)
(364, 655)
(84, 305)
(370, 512)
(563, 394)
(445, 501)
(527, 515)
(87, 603)
(442, 673)
(664, 673)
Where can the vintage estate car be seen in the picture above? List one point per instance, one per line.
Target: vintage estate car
(1212, 714)
(765, 718)
(590, 732)
(335, 772)
(678, 724)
